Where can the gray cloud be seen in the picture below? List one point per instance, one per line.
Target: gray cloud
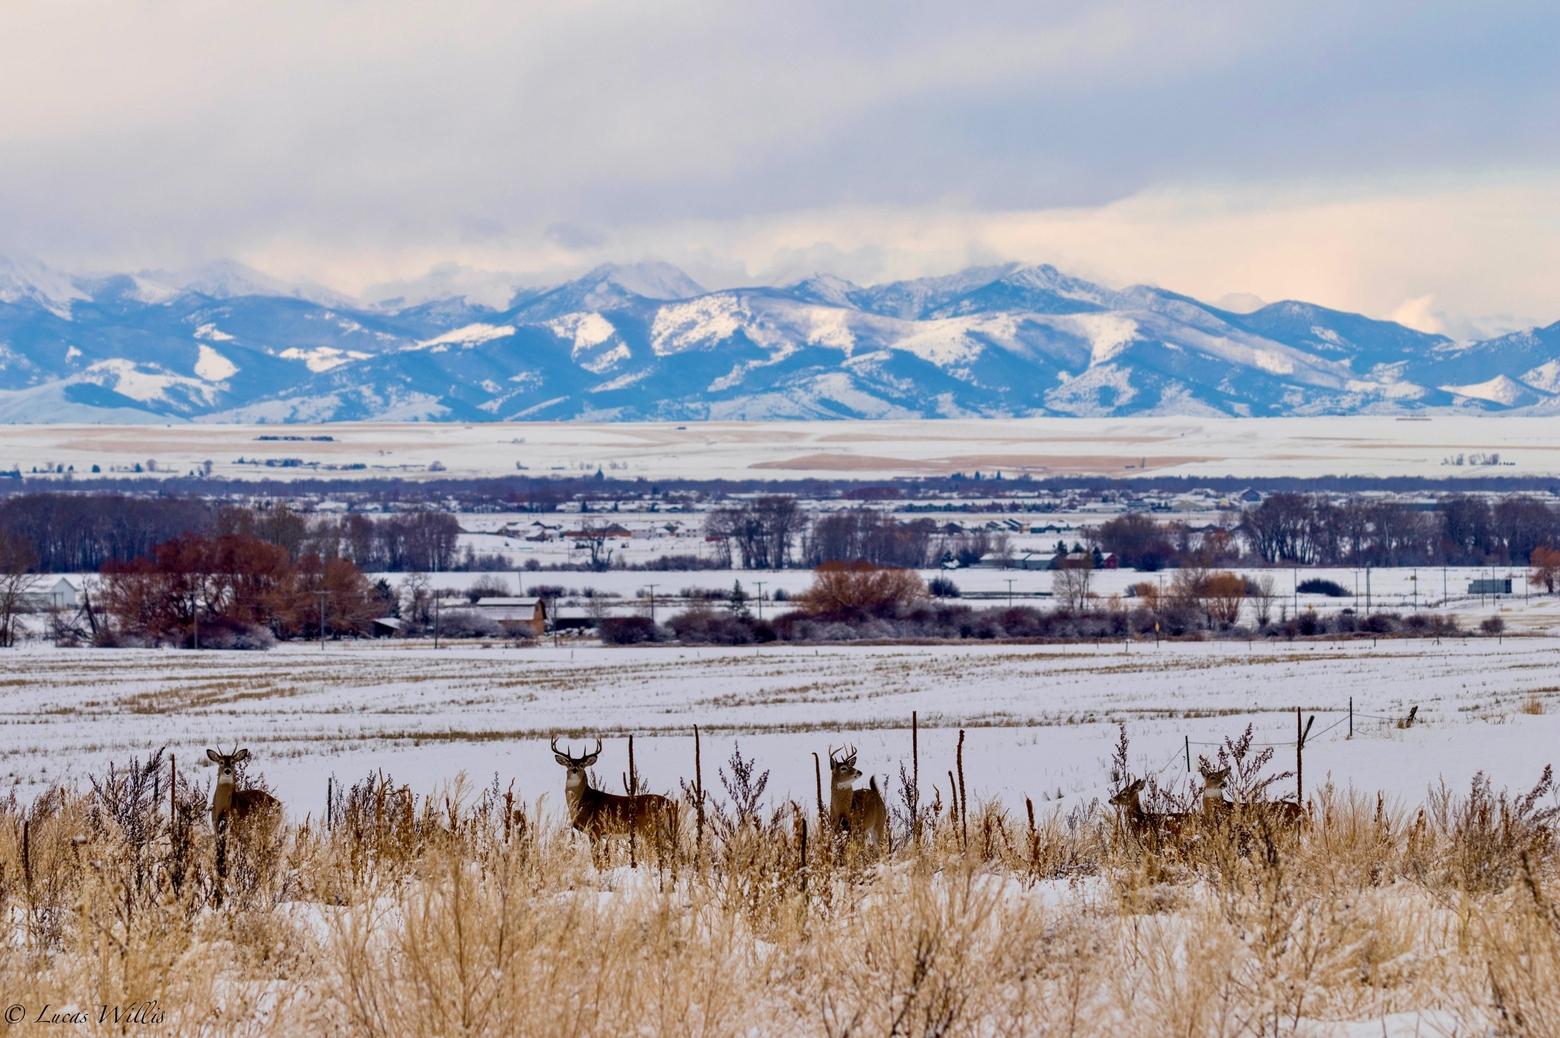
(364, 142)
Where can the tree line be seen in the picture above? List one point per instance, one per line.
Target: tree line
(80, 533)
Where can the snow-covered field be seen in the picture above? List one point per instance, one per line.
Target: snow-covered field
(1125, 447)
(1040, 719)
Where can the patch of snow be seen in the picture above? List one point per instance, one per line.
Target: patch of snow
(468, 335)
(830, 326)
(944, 343)
(322, 358)
(683, 326)
(211, 333)
(1108, 334)
(213, 366)
(606, 360)
(584, 329)
(1545, 377)
(144, 384)
(1499, 390)
(27, 280)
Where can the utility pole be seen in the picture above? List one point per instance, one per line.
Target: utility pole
(1414, 580)
(435, 621)
(652, 588)
(1367, 590)
(760, 584)
(322, 595)
(1010, 592)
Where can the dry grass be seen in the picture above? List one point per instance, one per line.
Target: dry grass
(463, 914)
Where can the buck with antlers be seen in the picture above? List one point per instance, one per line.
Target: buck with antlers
(232, 805)
(597, 813)
(853, 810)
(1280, 814)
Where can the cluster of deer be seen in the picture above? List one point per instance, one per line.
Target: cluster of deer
(592, 811)
(1275, 815)
(598, 814)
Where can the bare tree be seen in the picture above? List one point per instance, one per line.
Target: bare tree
(1070, 581)
(17, 583)
(594, 537)
(1262, 596)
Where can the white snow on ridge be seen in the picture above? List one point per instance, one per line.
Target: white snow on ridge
(211, 333)
(684, 326)
(1107, 333)
(29, 280)
(322, 358)
(467, 335)
(585, 329)
(1499, 390)
(213, 366)
(140, 383)
(606, 359)
(1545, 377)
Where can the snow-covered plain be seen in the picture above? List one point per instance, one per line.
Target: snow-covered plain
(1124, 447)
(1040, 720)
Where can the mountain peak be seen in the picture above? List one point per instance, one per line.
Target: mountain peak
(650, 279)
(24, 279)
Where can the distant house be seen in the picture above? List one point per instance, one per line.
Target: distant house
(516, 615)
(1490, 586)
(385, 627)
(588, 618)
(613, 531)
(61, 595)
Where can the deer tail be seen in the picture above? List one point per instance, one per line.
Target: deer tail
(872, 785)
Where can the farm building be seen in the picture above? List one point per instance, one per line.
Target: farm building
(515, 615)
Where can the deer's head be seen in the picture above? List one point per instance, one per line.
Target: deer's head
(227, 763)
(1213, 781)
(1128, 796)
(842, 770)
(576, 766)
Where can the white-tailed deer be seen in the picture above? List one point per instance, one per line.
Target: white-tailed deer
(1276, 813)
(853, 810)
(597, 813)
(232, 805)
(1141, 822)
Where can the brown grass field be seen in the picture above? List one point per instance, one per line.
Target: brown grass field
(463, 914)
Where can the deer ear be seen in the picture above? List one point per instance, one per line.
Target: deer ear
(241, 755)
(561, 759)
(212, 754)
(588, 761)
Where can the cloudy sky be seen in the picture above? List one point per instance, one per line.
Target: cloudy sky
(1402, 159)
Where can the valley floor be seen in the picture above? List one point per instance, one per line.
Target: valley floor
(1040, 721)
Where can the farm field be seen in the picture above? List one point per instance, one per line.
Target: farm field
(1040, 720)
(1116, 447)
(439, 910)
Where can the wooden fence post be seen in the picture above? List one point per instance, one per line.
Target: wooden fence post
(698, 793)
(964, 817)
(1300, 735)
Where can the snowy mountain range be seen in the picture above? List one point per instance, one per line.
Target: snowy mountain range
(225, 343)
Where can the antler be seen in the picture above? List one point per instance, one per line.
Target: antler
(851, 760)
(561, 753)
(596, 750)
(832, 752)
